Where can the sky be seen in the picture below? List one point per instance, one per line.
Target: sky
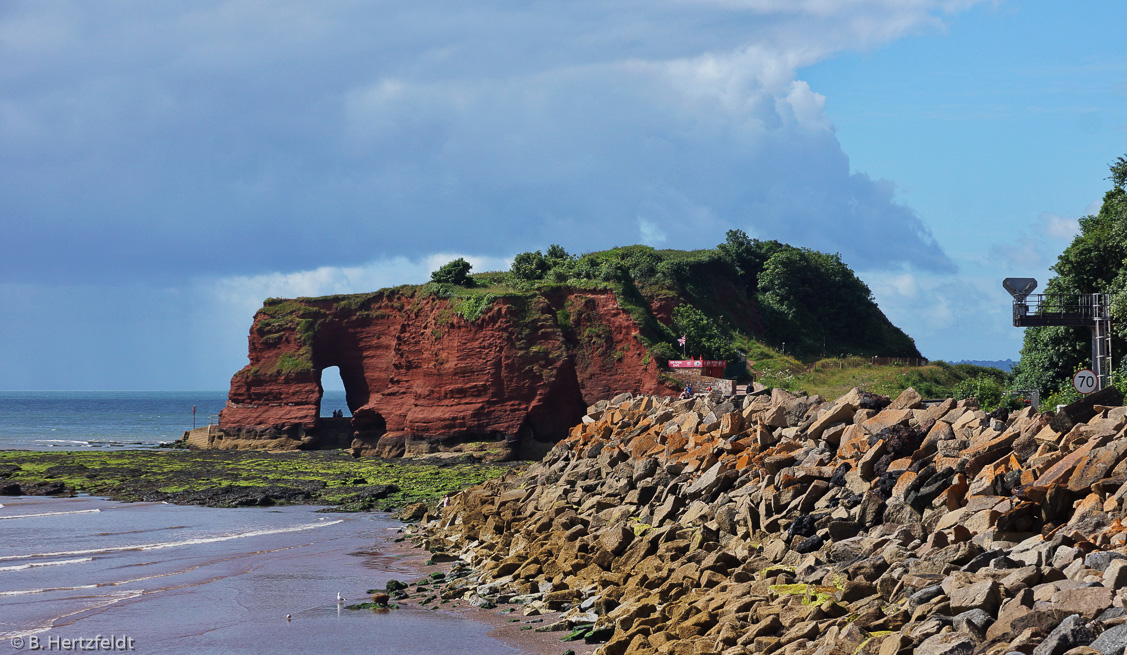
(165, 167)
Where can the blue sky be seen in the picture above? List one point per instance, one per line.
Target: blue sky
(165, 167)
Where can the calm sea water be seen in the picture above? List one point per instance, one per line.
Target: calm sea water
(199, 580)
(41, 420)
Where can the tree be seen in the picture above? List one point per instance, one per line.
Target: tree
(702, 334)
(815, 303)
(529, 266)
(1119, 173)
(556, 253)
(1095, 262)
(456, 272)
(748, 255)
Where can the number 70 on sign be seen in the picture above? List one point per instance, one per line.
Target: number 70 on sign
(1084, 381)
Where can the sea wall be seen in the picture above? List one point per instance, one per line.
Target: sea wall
(784, 524)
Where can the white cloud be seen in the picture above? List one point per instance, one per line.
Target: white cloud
(905, 284)
(1022, 254)
(651, 234)
(965, 318)
(1059, 227)
(246, 291)
(154, 141)
(807, 107)
(1034, 250)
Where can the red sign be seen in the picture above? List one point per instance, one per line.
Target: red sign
(697, 363)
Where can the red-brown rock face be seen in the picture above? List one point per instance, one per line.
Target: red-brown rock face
(419, 376)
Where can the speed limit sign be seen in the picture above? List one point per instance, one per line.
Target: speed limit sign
(1084, 381)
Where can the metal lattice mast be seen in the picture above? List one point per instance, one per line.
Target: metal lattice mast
(1090, 310)
(1101, 338)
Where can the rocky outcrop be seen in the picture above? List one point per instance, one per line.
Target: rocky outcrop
(503, 376)
(784, 524)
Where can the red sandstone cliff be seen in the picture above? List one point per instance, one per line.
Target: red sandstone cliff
(419, 376)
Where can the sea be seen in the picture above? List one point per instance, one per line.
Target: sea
(88, 573)
(76, 420)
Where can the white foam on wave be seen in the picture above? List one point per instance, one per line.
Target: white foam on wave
(144, 578)
(99, 603)
(31, 516)
(175, 544)
(21, 567)
(42, 590)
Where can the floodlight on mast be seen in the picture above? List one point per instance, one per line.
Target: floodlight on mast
(1019, 287)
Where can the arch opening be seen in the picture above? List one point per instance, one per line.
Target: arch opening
(336, 404)
(334, 395)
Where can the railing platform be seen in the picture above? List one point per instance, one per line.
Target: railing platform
(1041, 309)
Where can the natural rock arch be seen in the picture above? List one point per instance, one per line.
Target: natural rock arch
(419, 377)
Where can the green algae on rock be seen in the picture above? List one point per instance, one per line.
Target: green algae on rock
(240, 478)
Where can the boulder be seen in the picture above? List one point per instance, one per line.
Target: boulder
(948, 643)
(1072, 632)
(985, 596)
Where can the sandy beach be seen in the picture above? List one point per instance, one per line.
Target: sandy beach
(205, 580)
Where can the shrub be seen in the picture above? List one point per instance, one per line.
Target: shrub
(456, 272)
(473, 307)
(703, 336)
(529, 266)
(987, 390)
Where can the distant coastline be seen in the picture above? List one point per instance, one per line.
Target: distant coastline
(1006, 365)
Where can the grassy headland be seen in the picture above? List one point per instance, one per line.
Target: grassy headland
(744, 291)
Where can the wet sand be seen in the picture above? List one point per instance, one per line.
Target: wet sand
(502, 626)
(202, 580)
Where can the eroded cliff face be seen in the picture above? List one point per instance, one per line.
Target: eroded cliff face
(420, 376)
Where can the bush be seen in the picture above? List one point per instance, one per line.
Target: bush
(987, 390)
(703, 336)
(556, 254)
(473, 307)
(1065, 395)
(456, 272)
(529, 266)
(663, 352)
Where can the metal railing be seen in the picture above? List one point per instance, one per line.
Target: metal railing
(1082, 307)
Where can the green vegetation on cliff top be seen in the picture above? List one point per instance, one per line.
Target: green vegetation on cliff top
(725, 300)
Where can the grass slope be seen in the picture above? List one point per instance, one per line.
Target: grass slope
(833, 377)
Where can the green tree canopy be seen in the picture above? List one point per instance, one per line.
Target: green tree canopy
(815, 303)
(556, 254)
(748, 256)
(702, 334)
(529, 266)
(455, 272)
